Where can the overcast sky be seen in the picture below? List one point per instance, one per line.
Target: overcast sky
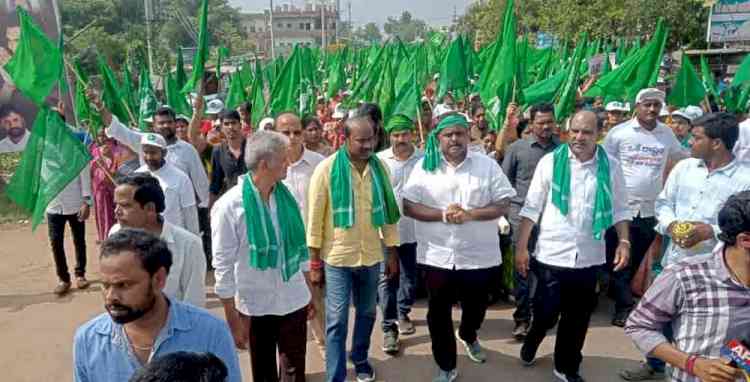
(434, 12)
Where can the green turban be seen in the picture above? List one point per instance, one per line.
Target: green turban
(399, 122)
(432, 154)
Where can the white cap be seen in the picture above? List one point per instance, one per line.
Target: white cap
(183, 117)
(617, 106)
(663, 112)
(151, 139)
(650, 94)
(691, 113)
(215, 106)
(441, 109)
(264, 122)
(338, 112)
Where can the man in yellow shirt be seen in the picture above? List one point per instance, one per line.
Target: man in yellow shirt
(352, 216)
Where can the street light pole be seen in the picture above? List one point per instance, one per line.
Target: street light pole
(273, 47)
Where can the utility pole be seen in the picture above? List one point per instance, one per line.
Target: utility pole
(351, 27)
(149, 19)
(270, 21)
(338, 20)
(322, 6)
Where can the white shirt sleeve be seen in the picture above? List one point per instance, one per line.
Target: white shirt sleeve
(124, 135)
(536, 197)
(85, 179)
(188, 208)
(192, 279)
(611, 146)
(224, 247)
(501, 188)
(620, 209)
(667, 200)
(414, 189)
(198, 177)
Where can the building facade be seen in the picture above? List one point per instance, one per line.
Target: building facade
(288, 25)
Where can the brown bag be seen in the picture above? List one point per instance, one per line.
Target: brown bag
(642, 278)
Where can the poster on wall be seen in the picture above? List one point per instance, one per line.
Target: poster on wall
(730, 21)
(17, 112)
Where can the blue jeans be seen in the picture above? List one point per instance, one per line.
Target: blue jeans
(655, 363)
(344, 284)
(397, 295)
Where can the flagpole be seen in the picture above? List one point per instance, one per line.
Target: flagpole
(419, 124)
(273, 48)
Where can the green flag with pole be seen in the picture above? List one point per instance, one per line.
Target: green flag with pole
(111, 95)
(688, 88)
(148, 103)
(53, 158)
(201, 54)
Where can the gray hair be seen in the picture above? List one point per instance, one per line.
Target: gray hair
(264, 145)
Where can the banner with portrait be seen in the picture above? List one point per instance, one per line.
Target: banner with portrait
(17, 112)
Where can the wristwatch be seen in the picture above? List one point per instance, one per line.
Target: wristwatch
(88, 201)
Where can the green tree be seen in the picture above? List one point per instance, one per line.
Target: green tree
(406, 27)
(607, 19)
(117, 30)
(370, 32)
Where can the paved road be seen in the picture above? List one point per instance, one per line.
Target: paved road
(36, 329)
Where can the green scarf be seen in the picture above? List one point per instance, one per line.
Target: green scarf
(561, 188)
(384, 206)
(261, 234)
(432, 155)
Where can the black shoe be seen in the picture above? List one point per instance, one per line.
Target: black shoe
(620, 319)
(528, 355)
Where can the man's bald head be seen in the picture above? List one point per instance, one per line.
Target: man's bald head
(583, 134)
(289, 120)
(586, 118)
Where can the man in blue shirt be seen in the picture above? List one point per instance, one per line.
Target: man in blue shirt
(141, 323)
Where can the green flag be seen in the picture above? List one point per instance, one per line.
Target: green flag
(453, 71)
(385, 95)
(129, 91)
(36, 65)
(498, 84)
(201, 54)
(52, 159)
(688, 88)
(111, 95)
(148, 103)
(236, 94)
(180, 76)
(638, 71)
(174, 98)
(708, 78)
(567, 97)
(544, 90)
(742, 76)
(257, 98)
(336, 75)
(84, 113)
(221, 55)
(407, 99)
(286, 94)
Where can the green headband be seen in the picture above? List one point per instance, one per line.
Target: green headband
(432, 156)
(399, 122)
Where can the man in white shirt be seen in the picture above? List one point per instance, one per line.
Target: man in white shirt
(645, 148)
(261, 268)
(72, 206)
(302, 163)
(397, 294)
(179, 198)
(139, 201)
(15, 128)
(576, 194)
(742, 147)
(181, 154)
(692, 197)
(456, 197)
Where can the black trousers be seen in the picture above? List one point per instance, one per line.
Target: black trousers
(641, 235)
(444, 287)
(566, 294)
(56, 229)
(204, 224)
(286, 333)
